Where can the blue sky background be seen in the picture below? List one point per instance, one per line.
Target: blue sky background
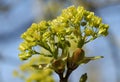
(19, 15)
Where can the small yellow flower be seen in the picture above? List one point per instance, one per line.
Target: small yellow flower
(103, 29)
(88, 32)
(23, 46)
(43, 25)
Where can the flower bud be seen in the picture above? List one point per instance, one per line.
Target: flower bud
(23, 46)
(78, 55)
(103, 29)
(97, 22)
(91, 14)
(58, 65)
(72, 62)
(29, 54)
(22, 56)
(69, 31)
(88, 32)
(43, 25)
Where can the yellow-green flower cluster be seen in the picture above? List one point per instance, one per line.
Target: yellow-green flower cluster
(93, 25)
(75, 24)
(36, 35)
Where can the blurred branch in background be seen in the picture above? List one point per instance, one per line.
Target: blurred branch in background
(4, 8)
(49, 9)
(102, 3)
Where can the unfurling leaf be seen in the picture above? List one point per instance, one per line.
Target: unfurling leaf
(88, 59)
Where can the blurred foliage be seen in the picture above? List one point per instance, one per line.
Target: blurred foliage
(29, 74)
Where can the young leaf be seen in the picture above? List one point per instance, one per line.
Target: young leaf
(88, 59)
(83, 78)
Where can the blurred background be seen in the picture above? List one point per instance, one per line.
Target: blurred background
(17, 15)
